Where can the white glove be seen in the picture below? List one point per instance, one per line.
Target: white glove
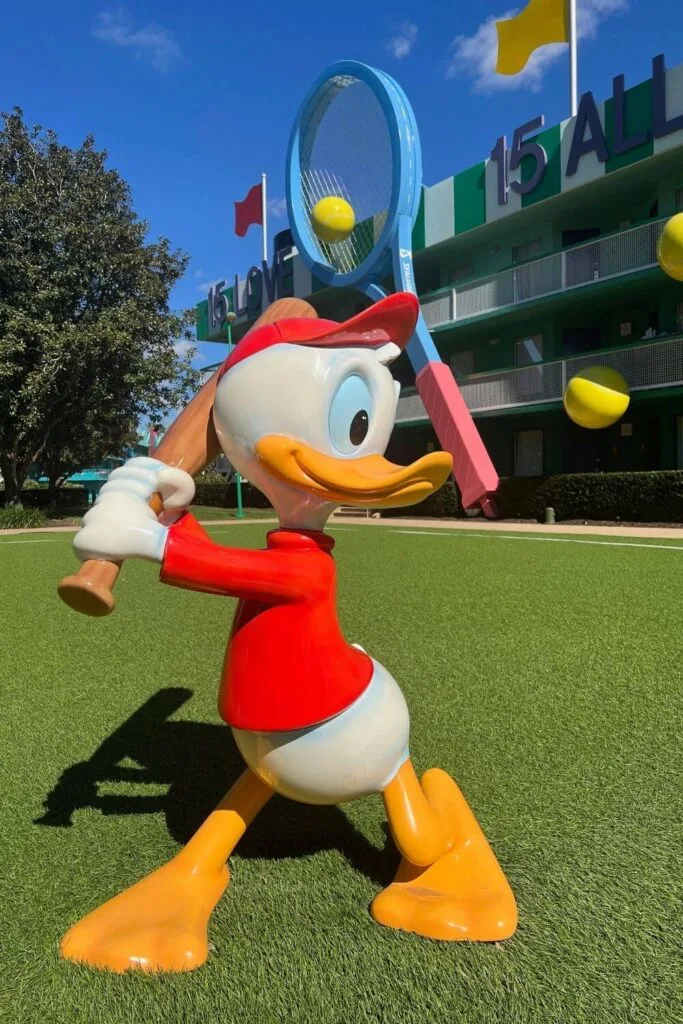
(121, 524)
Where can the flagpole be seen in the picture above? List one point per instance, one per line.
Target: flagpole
(264, 219)
(573, 61)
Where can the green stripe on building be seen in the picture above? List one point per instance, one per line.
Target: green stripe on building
(203, 319)
(469, 189)
(419, 225)
(637, 118)
(551, 183)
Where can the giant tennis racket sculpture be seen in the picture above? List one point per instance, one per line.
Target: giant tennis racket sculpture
(355, 137)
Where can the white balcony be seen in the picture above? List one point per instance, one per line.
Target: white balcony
(601, 260)
(650, 365)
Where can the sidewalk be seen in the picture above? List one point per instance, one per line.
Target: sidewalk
(74, 529)
(479, 525)
(482, 525)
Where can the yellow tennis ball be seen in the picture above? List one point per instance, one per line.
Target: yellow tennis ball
(333, 219)
(597, 397)
(670, 250)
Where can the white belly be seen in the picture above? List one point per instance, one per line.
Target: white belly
(351, 755)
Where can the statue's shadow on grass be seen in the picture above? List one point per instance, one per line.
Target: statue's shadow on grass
(198, 763)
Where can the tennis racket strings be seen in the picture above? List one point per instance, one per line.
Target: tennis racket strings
(345, 151)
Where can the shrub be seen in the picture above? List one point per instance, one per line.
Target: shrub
(654, 497)
(14, 517)
(214, 494)
(632, 497)
(61, 497)
(445, 504)
(211, 476)
(222, 495)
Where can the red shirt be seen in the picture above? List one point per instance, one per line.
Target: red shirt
(287, 665)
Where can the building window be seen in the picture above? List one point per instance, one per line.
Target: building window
(526, 251)
(460, 273)
(529, 453)
(529, 350)
(679, 198)
(462, 364)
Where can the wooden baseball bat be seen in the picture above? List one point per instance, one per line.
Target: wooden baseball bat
(190, 443)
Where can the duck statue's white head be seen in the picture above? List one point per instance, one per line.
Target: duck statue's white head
(304, 409)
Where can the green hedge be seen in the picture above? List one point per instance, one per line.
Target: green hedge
(445, 504)
(655, 497)
(61, 497)
(218, 495)
(15, 518)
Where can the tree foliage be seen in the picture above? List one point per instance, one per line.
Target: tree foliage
(88, 341)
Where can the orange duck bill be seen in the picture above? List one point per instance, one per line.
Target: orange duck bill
(370, 481)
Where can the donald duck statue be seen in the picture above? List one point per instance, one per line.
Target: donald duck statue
(303, 408)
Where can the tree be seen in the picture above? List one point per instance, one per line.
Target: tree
(88, 342)
(85, 447)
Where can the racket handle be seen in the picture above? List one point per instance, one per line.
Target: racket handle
(89, 590)
(473, 470)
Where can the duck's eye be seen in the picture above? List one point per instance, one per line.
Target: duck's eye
(350, 414)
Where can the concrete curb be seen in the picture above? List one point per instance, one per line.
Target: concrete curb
(74, 529)
(486, 526)
(477, 525)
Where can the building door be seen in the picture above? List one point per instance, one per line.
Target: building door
(573, 236)
(462, 364)
(527, 275)
(528, 453)
(582, 263)
(529, 381)
(580, 339)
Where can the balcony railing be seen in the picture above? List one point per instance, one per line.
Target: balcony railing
(655, 365)
(599, 260)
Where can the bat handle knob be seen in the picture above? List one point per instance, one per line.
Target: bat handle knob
(89, 591)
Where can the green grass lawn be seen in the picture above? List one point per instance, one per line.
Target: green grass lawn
(545, 676)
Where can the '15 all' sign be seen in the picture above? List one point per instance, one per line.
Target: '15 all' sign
(588, 136)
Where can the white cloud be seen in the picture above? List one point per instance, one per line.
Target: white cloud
(205, 285)
(148, 42)
(198, 273)
(475, 56)
(184, 347)
(277, 206)
(403, 41)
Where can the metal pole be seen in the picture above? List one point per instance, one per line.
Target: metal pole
(573, 61)
(264, 218)
(238, 479)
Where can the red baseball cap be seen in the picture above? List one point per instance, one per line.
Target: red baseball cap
(391, 319)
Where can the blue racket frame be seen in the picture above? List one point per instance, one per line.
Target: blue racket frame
(393, 248)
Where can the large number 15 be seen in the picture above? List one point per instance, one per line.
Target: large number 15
(520, 149)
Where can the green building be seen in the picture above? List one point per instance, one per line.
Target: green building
(530, 266)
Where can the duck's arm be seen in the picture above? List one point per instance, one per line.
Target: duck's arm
(193, 561)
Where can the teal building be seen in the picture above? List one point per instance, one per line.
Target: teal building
(532, 265)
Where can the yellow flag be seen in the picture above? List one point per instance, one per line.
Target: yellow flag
(541, 22)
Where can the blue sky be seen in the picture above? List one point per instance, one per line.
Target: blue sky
(192, 104)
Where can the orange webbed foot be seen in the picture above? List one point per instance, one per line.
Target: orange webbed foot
(464, 893)
(159, 924)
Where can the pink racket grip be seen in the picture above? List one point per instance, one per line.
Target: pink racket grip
(473, 470)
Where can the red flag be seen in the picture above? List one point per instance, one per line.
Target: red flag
(249, 211)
